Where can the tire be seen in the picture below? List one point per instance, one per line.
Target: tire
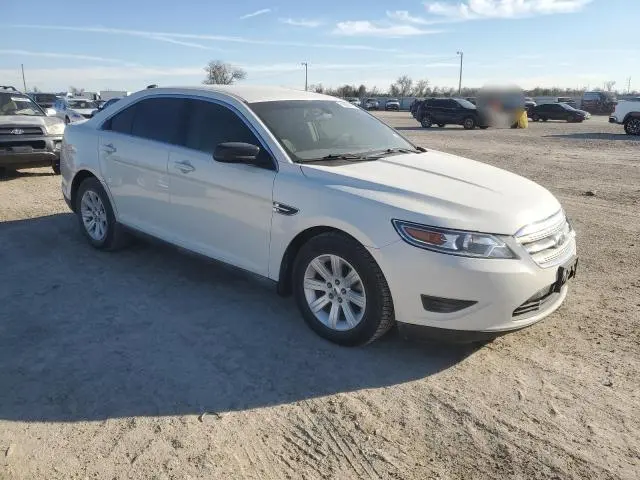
(483, 127)
(469, 123)
(632, 126)
(55, 166)
(535, 117)
(369, 322)
(544, 119)
(441, 125)
(426, 121)
(67, 121)
(571, 119)
(114, 236)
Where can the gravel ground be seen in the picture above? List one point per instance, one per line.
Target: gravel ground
(150, 363)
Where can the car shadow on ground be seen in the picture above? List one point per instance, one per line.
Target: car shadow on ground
(14, 174)
(447, 128)
(597, 136)
(89, 335)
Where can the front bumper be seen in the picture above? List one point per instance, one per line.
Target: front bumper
(29, 151)
(501, 289)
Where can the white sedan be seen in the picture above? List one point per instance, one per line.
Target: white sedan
(366, 229)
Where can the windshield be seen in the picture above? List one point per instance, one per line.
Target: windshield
(45, 97)
(311, 130)
(465, 103)
(81, 104)
(392, 100)
(566, 106)
(17, 104)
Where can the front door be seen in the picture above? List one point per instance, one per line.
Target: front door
(221, 210)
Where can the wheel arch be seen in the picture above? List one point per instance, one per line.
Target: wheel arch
(80, 176)
(284, 286)
(631, 115)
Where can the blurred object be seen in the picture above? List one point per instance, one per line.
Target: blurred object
(502, 106)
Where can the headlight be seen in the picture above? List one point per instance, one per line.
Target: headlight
(55, 129)
(453, 242)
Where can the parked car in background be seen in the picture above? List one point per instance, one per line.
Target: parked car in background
(556, 111)
(108, 103)
(363, 227)
(451, 111)
(413, 107)
(74, 109)
(354, 101)
(599, 103)
(568, 100)
(371, 104)
(28, 137)
(627, 113)
(392, 104)
(44, 100)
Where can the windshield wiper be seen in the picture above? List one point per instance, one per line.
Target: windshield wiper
(338, 156)
(390, 151)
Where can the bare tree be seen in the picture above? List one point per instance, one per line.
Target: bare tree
(220, 73)
(374, 91)
(76, 92)
(608, 85)
(318, 88)
(394, 90)
(362, 91)
(421, 88)
(404, 84)
(35, 89)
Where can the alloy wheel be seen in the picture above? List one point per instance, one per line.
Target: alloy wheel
(633, 126)
(334, 292)
(94, 215)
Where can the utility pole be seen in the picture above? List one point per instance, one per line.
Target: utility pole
(306, 67)
(461, 53)
(629, 85)
(24, 83)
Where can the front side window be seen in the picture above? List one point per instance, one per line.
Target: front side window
(465, 103)
(82, 104)
(210, 124)
(313, 129)
(122, 122)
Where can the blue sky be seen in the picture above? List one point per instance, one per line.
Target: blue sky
(123, 44)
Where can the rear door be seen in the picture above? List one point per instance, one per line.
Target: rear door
(557, 112)
(134, 153)
(456, 112)
(437, 111)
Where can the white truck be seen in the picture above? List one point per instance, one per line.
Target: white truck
(627, 113)
(109, 94)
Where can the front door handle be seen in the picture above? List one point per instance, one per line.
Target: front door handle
(109, 148)
(184, 167)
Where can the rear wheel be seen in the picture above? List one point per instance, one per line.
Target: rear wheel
(441, 125)
(55, 166)
(535, 117)
(341, 291)
(96, 217)
(484, 127)
(426, 121)
(632, 126)
(469, 123)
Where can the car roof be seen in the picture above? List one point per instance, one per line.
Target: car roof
(248, 93)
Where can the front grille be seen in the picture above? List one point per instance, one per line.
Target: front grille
(536, 302)
(8, 129)
(20, 146)
(549, 242)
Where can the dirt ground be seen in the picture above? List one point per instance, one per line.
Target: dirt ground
(150, 363)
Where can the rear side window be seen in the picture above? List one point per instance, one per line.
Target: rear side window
(122, 122)
(159, 119)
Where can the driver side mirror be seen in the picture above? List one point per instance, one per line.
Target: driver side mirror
(236, 152)
(50, 112)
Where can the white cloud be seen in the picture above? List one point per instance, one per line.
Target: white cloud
(301, 22)
(163, 36)
(256, 13)
(405, 16)
(422, 55)
(477, 9)
(366, 28)
(69, 56)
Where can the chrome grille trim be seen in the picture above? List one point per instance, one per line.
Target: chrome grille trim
(550, 241)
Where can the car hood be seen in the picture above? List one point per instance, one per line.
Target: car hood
(84, 111)
(444, 190)
(27, 120)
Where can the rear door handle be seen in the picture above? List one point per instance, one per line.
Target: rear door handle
(109, 148)
(184, 167)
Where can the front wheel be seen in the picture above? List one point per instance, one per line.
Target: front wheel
(632, 126)
(469, 123)
(426, 121)
(535, 117)
(96, 217)
(341, 291)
